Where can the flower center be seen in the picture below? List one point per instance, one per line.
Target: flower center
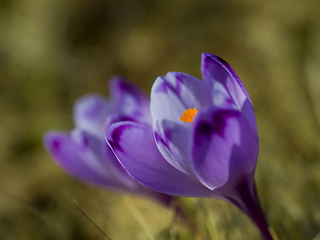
(188, 115)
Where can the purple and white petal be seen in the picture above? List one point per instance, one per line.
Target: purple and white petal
(90, 113)
(129, 99)
(176, 92)
(215, 68)
(73, 158)
(225, 147)
(222, 97)
(172, 140)
(134, 145)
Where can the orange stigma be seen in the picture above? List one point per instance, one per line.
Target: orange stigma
(188, 115)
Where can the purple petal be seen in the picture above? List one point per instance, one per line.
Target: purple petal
(99, 154)
(176, 92)
(90, 113)
(225, 147)
(78, 161)
(215, 68)
(172, 140)
(133, 144)
(129, 99)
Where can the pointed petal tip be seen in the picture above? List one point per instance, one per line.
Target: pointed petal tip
(116, 80)
(123, 84)
(214, 67)
(119, 83)
(126, 95)
(205, 56)
(88, 101)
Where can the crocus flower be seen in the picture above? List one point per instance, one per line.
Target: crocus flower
(83, 152)
(202, 142)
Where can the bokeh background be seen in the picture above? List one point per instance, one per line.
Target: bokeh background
(52, 52)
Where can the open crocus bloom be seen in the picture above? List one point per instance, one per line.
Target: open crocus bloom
(202, 142)
(83, 152)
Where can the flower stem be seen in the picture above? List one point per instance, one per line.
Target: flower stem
(251, 207)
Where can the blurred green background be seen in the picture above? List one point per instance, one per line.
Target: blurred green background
(52, 52)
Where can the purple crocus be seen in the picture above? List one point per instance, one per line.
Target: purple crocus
(202, 142)
(83, 152)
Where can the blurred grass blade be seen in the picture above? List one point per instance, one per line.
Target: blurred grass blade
(317, 237)
(273, 233)
(85, 215)
(138, 216)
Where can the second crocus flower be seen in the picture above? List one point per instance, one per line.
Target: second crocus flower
(83, 152)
